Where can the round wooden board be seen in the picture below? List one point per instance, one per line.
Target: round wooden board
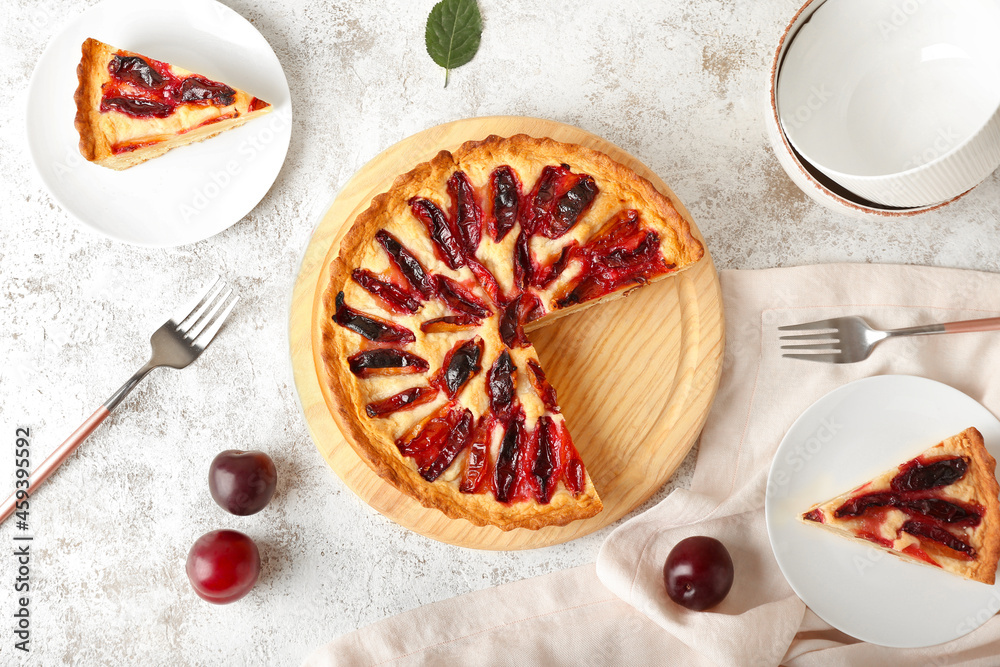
(635, 377)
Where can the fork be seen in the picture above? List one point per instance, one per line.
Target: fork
(851, 339)
(176, 344)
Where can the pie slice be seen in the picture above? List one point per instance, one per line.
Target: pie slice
(939, 508)
(131, 108)
(424, 359)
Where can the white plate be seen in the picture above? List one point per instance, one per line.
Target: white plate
(845, 438)
(193, 192)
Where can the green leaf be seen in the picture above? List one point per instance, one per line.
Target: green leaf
(454, 28)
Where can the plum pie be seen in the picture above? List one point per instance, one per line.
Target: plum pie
(939, 509)
(424, 358)
(131, 108)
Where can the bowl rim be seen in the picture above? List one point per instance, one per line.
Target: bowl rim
(874, 178)
(874, 209)
(912, 171)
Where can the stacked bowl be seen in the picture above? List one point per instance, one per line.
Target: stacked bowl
(887, 108)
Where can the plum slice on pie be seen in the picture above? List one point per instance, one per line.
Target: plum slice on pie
(131, 108)
(939, 509)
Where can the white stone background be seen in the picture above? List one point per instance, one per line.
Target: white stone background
(678, 84)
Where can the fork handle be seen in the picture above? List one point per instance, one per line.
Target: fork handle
(963, 326)
(127, 388)
(62, 452)
(55, 459)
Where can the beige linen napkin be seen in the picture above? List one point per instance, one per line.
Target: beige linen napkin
(570, 618)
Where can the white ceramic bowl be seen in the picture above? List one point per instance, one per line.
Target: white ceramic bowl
(814, 183)
(898, 102)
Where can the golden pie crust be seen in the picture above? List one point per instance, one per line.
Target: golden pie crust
(116, 140)
(374, 439)
(978, 486)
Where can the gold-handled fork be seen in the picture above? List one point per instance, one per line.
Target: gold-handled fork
(176, 344)
(850, 339)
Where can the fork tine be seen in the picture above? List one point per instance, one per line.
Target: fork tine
(833, 335)
(828, 358)
(203, 339)
(184, 314)
(830, 347)
(197, 319)
(819, 324)
(209, 315)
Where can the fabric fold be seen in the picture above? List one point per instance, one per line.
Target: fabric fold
(561, 618)
(760, 616)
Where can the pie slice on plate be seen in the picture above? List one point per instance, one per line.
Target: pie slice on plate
(939, 509)
(426, 365)
(131, 108)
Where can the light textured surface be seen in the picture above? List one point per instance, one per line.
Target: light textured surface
(677, 84)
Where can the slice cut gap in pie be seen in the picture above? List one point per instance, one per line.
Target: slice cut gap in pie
(423, 356)
(131, 108)
(939, 509)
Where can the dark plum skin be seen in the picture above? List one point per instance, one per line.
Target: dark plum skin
(199, 89)
(137, 108)
(242, 483)
(223, 566)
(135, 70)
(698, 573)
(919, 476)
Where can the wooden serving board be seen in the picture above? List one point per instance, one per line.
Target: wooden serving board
(635, 377)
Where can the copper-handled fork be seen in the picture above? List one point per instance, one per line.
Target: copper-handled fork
(176, 344)
(850, 339)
